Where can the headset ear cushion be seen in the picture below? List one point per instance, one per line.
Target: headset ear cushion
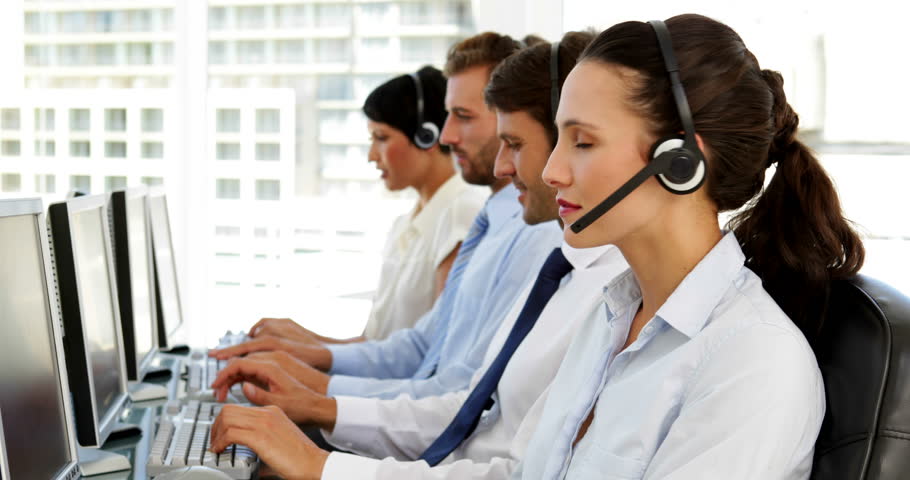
(426, 135)
(687, 169)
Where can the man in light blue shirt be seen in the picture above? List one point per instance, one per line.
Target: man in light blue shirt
(443, 350)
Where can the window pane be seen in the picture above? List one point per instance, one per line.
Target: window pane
(227, 231)
(252, 51)
(333, 50)
(268, 120)
(217, 53)
(333, 15)
(82, 183)
(152, 150)
(217, 18)
(45, 183)
(44, 119)
(294, 16)
(80, 120)
(9, 119)
(152, 181)
(105, 55)
(115, 119)
(228, 120)
(336, 87)
(80, 149)
(10, 148)
(250, 17)
(11, 182)
(227, 151)
(115, 149)
(227, 188)
(139, 53)
(268, 190)
(291, 51)
(152, 119)
(268, 152)
(46, 148)
(114, 183)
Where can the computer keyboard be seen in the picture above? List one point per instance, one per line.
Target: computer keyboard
(183, 439)
(201, 369)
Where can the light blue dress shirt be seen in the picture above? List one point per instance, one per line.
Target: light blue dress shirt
(505, 260)
(718, 384)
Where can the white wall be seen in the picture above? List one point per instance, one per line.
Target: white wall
(12, 55)
(520, 17)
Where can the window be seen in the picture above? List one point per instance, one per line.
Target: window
(293, 16)
(270, 152)
(333, 50)
(9, 119)
(152, 150)
(80, 149)
(376, 50)
(217, 18)
(140, 20)
(261, 232)
(80, 120)
(10, 148)
(46, 183)
(152, 119)
(268, 189)
(114, 183)
(44, 119)
(115, 149)
(105, 54)
(251, 51)
(252, 18)
(417, 50)
(10, 182)
(226, 231)
(227, 151)
(268, 120)
(152, 181)
(217, 53)
(36, 55)
(375, 13)
(291, 51)
(115, 119)
(335, 87)
(227, 188)
(227, 120)
(45, 148)
(82, 183)
(139, 53)
(333, 15)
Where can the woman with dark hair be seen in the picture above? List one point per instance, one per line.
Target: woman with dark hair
(404, 116)
(699, 365)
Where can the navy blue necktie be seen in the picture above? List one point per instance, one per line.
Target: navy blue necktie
(466, 419)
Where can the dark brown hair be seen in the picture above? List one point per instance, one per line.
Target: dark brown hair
(484, 49)
(794, 234)
(522, 82)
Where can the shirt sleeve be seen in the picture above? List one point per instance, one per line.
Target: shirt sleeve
(456, 224)
(342, 466)
(398, 356)
(746, 419)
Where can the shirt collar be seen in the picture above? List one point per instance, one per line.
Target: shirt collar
(582, 258)
(426, 219)
(689, 306)
(503, 206)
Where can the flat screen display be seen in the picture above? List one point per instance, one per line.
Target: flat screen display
(164, 260)
(140, 280)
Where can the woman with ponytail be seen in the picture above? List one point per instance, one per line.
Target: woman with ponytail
(700, 366)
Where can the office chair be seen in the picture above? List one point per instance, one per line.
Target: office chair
(864, 355)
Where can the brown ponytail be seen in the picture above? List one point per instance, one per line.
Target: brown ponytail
(793, 233)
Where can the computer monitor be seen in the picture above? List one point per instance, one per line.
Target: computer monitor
(170, 315)
(37, 438)
(91, 318)
(135, 279)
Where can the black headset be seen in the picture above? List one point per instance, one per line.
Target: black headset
(427, 133)
(676, 160)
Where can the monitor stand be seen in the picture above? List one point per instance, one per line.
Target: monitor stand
(176, 350)
(143, 392)
(94, 461)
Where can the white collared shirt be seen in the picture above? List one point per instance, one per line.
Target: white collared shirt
(402, 428)
(719, 384)
(415, 247)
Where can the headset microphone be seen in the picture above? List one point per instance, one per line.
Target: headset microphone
(677, 161)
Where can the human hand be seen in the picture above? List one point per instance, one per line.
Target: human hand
(315, 356)
(273, 436)
(284, 328)
(266, 383)
(305, 374)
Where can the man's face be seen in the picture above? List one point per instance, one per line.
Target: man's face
(470, 128)
(523, 152)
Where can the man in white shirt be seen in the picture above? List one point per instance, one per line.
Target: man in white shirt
(403, 429)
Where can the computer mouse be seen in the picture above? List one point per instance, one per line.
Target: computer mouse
(194, 473)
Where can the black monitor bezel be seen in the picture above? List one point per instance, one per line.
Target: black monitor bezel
(165, 339)
(120, 231)
(34, 207)
(91, 430)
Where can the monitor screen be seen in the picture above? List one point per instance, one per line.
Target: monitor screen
(97, 308)
(140, 277)
(165, 265)
(31, 394)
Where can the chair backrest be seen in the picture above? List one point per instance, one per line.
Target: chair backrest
(864, 355)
